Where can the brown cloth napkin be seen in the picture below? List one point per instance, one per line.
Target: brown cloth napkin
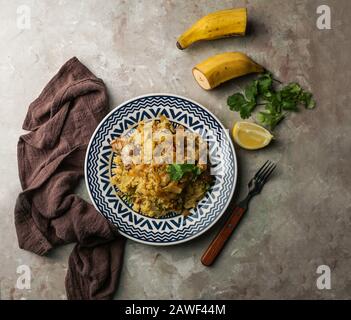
(50, 161)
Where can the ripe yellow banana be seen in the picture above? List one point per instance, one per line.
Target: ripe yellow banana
(222, 67)
(219, 24)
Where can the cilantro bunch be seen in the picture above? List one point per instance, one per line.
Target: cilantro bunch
(277, 103)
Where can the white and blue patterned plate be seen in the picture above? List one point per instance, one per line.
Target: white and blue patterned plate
(173, 228)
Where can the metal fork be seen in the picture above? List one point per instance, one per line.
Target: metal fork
(255, 186)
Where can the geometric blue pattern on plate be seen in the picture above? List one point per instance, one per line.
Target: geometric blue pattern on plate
(173, 228)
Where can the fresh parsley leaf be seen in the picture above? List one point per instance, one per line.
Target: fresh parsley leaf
(265, 84)
(177, 171)
(251, 91)
(305, 98)
(291, 91)
(246, 109)
(236, 101)
(274, 102)
(289, 105)
(244, 104)
(270, 119)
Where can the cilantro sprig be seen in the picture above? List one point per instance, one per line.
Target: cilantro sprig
(177, 171)
(277, 103)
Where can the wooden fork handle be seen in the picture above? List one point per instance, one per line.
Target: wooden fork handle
(223, 235)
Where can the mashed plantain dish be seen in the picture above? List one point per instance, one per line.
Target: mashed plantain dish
(161, 168)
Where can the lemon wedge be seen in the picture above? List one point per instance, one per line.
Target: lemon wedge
(251, 136)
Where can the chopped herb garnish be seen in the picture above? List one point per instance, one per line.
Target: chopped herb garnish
(177, 171)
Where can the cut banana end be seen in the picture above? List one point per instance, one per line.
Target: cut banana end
(217, 69)
(201, 79)
(251, 136)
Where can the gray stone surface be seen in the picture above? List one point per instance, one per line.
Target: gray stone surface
(302, 218)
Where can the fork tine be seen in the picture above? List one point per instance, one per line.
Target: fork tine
(266, 176)
(263, 173)
(261, 176)
(260, 170)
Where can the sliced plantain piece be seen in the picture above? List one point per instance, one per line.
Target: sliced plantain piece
(222, 67)
(219, 24)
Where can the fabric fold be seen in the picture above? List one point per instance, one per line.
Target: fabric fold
(50, 163)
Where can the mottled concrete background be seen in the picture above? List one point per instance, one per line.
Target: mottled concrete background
(302, 218)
